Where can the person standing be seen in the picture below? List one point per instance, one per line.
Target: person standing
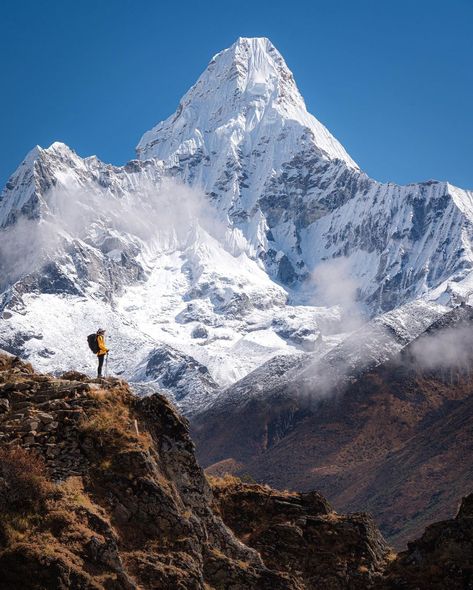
(103, 350)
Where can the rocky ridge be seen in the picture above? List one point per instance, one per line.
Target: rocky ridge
(101, 489)
(291, 531)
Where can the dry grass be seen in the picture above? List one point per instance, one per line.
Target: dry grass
(72, 491)
(223, 482)
(24, 494)
(333, 517)
(106, 419)
(16, 528)
(99, 395)
(111, 423)
(229, 481)
(105, 464)
(60, 531)
(23, 482)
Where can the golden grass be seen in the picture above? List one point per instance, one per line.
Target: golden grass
(333, 517)
(108, 417)
(18, 527)
(98, 395)
(112, 425)
(225, 481)
(72, 491)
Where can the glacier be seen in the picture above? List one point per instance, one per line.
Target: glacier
(219, 247)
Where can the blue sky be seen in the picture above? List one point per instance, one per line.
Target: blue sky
(392, 80)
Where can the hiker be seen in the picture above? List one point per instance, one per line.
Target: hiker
(103, 350)
(96, 344)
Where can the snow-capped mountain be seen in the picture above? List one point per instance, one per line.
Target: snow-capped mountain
(243, 134)
(242, 232)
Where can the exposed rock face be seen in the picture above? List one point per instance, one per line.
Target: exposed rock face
(177, 374)
(442, 558)
(101, 490)
(301, 535)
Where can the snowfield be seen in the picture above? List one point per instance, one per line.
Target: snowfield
(243, 243)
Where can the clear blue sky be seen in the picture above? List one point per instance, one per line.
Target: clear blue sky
(391, 79)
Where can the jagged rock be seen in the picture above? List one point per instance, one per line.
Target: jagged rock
(32, 426)
(74, 376)
(301, 535)
(50, 426)
(116, 500)
(178, 374)
(44, 417)
(200, 331)
(441, 559)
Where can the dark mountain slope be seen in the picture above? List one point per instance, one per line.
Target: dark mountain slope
(397, 441)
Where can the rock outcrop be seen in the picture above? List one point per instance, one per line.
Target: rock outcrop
(301, 535)
(100, 489)
(442, 558)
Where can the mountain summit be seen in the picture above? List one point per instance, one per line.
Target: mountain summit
(247, 95)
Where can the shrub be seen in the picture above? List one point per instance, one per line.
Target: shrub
(23, 482)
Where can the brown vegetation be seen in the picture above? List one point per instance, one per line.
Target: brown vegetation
(100, 490)
(111, 422)
(23, 482)
(397, 443)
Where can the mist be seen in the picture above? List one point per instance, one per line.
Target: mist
(152, 217)
(333, 284)
(448, 348)
(384, 339)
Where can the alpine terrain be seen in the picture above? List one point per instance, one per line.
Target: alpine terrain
(100, 490)
(246, 266)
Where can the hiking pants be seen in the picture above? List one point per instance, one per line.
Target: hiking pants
(101, 358)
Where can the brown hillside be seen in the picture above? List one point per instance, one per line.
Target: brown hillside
(397, 442)
(101, 490)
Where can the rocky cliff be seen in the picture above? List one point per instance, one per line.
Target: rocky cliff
(101, 489)
(442, 558)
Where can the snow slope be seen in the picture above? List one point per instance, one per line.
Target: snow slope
(243, 232)
(243, 135)
(147, 258)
